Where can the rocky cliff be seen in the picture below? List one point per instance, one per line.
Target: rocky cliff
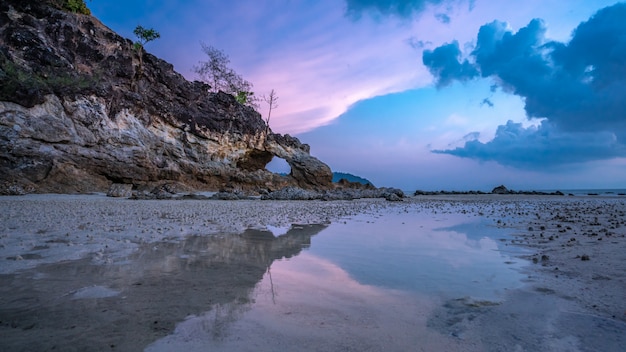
(81, 109)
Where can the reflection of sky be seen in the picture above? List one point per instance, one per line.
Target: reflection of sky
(370, 283)
(308, 303)
(417, 253)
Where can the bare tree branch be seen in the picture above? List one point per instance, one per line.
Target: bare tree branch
(220, 77)
(271, 100)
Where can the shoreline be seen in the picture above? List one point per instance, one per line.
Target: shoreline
(560, 232)
(578, 245)
(47, 228)
(563, 231)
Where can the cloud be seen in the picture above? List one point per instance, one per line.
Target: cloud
(578, 87)
(443, 18)
(487, 102)
(318, 61)
(471, 5)
(470, 137)
(539, 147)
(444, 63)
(401, 8)
(417, 44)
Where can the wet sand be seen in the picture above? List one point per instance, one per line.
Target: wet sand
(575, 293)
(578, 243)
(573, 298)
(49, 228)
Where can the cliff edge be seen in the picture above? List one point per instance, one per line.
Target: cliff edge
(81, 109)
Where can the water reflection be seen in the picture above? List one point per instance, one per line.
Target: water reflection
(451, 256)
(79, 305)
(314, 305)
(366, 284)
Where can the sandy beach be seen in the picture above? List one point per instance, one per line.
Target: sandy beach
(578, 243)
(40, 229)
(574, 288)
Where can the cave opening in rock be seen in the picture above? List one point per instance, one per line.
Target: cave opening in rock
(278, 166)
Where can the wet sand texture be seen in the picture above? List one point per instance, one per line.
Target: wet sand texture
(124, 258)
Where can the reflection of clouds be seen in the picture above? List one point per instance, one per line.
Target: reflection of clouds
(278, 230)
(213, 325)
(421, 252)
(313, 304)
(488, 244)
(458, 250)
(313, 274)
(342, 292)
(426, 236)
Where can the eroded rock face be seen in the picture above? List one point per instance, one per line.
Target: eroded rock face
(79, 112)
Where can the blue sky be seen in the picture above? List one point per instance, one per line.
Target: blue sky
(422, 94)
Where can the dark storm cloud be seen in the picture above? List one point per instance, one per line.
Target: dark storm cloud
(579, 87)
(402, 8)
(540, 147)
(444, 62)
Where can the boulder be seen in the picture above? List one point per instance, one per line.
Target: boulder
(292, 193)
(14, 189)
(392, 197)
(120, 190)
(228, 196)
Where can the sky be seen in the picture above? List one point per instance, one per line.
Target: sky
(421, 94)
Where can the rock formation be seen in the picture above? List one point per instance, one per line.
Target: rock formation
(81, 109)
(500, 190)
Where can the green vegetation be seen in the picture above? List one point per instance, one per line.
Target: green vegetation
(145, 35)
(220, 77)
(245, 97)
(75, 6)
(22, 86)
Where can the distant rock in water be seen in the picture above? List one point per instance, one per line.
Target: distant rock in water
(497, 190)
(81, 109)
(500, 190)
(337, 176)
(503, 190)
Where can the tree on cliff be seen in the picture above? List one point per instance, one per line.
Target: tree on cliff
(220, 77)
(271, 100)
(144, 35)
(75, 6)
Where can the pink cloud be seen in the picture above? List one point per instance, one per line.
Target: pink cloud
(321, 61)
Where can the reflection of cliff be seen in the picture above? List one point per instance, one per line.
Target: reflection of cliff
(159, 286)
(253, 248)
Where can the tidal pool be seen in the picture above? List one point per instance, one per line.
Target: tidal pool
(370, 283)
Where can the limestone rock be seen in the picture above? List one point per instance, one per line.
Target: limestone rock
(120, 190)
(77, 114)
(228, 196)
(14, 189)
(392, 197)
(350, 193)
(293, 193)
